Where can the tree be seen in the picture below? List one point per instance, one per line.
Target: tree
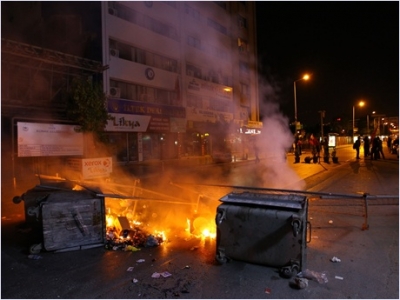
(86, 106)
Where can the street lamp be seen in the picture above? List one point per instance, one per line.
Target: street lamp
(361, 104)
(305, 77)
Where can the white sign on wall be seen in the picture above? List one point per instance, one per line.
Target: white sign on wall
(42, 139)
(90, 168)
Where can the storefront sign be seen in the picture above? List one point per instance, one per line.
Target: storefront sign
(250, 131)
(159, 124)
(140, 108)
(128, 123)
(90, 168)
(138, 123)
(40, 139)
(178, 125)
(254, 124)
(207, 115)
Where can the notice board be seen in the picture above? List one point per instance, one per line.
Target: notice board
(44, 139)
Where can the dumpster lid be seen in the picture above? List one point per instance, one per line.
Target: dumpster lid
(277, 200)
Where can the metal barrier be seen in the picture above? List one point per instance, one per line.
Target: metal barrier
(358, 203)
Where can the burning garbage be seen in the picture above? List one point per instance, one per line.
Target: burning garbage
(132, 239)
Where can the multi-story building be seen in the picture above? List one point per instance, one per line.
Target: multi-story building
(182, 77)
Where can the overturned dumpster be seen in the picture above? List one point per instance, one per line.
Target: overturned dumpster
(64, 218)
(267, 229)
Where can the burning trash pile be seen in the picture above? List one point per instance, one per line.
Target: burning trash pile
(144, 219)
(129, 239)
(130, 227)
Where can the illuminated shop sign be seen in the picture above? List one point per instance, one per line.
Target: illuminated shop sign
(250, 130)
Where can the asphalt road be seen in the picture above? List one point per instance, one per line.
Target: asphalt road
(369, 259)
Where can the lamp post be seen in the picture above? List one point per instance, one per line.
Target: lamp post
(305, 77)
(361, 104)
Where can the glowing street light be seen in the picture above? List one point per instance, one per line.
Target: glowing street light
(360, 104)
(305, 77)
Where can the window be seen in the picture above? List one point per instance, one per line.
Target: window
(143, 57)
(149, 59)
(194, 42)
(130, 15)
(142, 93)
(217, 26)
(243, 67)
(242, 45)
(244, 94)
(244, 89)
(192, 12)
(242, 22)
(193, 71)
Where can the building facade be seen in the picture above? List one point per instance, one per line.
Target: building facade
(182, 78)
(44, 46)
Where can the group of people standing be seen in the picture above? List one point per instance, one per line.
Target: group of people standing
(372, 148)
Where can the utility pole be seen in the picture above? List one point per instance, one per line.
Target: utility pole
(322, 112)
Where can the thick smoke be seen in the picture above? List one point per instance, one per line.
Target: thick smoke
(274, 142)
(164, 203)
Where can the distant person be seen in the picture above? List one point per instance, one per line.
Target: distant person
(298, 144)
(380, 148)
(389, 143)
(366, 146)
(314, 147)
(375, 148)
(356, 146)
(395, 146)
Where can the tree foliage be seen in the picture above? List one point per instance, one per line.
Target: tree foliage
(86, 106)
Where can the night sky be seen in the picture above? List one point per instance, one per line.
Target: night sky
(350, 48)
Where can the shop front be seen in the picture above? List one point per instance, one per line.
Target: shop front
(140, 131)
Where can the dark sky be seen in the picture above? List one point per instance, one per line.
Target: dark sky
(351, 49)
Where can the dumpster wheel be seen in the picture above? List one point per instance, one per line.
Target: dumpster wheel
(35, 248)
(289, 271)
(221, 258)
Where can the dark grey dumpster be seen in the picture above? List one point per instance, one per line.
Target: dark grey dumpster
(267, 229)
(64, 218)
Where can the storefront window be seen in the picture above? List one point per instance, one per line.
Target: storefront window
(118, 146)
(133, 146)
(151, 146)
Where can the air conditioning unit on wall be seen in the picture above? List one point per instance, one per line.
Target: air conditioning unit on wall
(114, 52)
(115, 92)
(113, 11)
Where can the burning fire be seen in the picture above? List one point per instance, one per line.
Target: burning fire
(202, 228)
(127, 234)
